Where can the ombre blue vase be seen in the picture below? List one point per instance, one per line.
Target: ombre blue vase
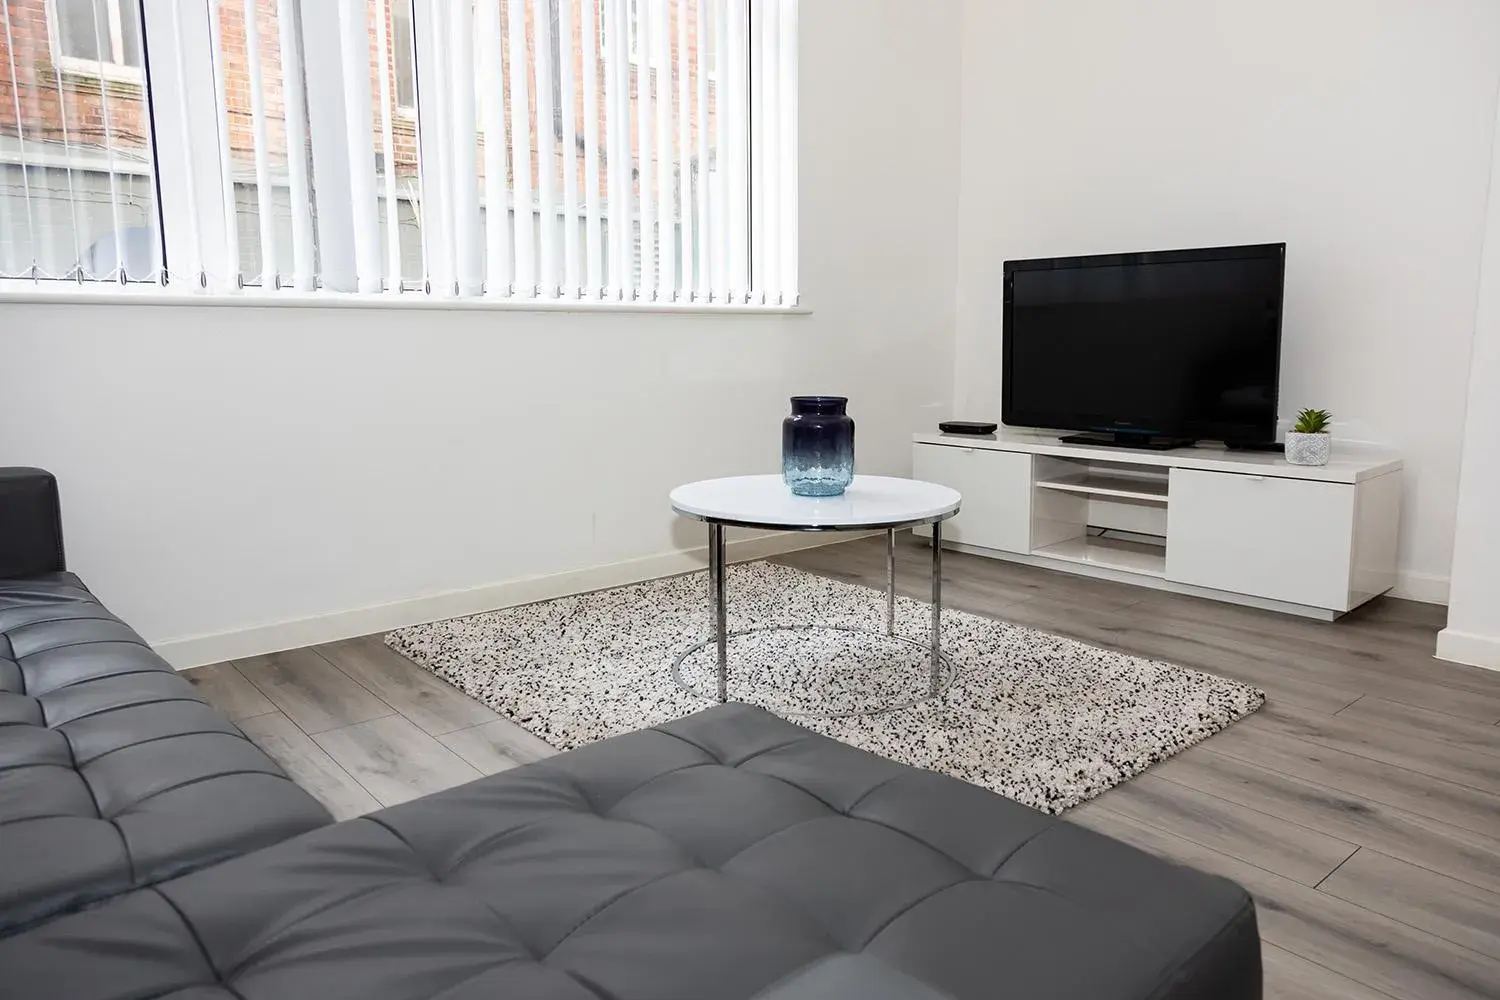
(817, 446)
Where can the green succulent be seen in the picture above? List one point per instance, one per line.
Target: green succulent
(1312, 421)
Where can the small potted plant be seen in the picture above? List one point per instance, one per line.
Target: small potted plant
(1308, 442)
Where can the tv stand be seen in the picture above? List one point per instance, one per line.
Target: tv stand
(1127, 439)
(1242, 527)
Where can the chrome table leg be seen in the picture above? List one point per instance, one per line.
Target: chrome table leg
(937, 606)
(718, 598)
(890, 581)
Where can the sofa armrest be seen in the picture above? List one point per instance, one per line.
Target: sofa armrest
(31, 539)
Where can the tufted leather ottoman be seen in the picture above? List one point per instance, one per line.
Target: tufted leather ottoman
(726, 855)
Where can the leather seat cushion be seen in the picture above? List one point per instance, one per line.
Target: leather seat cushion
(114, 773)
(726, 855)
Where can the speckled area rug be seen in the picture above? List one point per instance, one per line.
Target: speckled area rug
(1042, 719)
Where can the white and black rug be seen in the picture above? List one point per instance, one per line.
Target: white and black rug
(1042, 719)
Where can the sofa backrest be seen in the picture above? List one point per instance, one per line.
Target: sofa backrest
(31, 540)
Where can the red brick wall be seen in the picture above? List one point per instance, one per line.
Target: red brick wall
(42, 106)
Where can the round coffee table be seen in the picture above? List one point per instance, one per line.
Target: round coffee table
(870, 503)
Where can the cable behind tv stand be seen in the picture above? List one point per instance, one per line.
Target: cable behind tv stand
(1127, 439)
(1242, 527)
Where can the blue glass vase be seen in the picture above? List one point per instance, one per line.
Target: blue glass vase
(817, 446)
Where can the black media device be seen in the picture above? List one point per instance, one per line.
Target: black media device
(967, 427)
(1146, 350)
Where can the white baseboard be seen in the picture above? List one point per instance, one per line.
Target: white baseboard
(1466, 647)
(194, 651)
(1429, 588)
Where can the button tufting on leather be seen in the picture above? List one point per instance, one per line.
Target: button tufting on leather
(153, 787)
(696, 880)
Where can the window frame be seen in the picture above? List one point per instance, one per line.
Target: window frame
(632, 35)
(113, 69)
(405, 111)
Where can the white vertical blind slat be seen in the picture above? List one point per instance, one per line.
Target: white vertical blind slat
(158, 267)
(117, 216)
(770, 143)
(432, 44)
(354, 37)
(567, 65)
(546, 148)
(15, 92)
(463, 140)
(264, 195)
(49, 243)
(665, 174)
(424, 170)
(231, 250)
(387, 147)
(700, 72)
(737, 180)
(295, 105)
(193, 240)
(644, 116)
(520, 149)
(685, 175)
(789, 147)
(498, 266)
(723, 95)
(758, 118)
(62, 114)
(617, 147)
(593, 235)
(7, 226)
(39, 200)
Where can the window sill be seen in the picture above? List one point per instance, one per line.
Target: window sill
(150, 295)
(86, 71)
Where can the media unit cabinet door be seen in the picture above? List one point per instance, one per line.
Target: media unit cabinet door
(996, 490)
(1284, 539)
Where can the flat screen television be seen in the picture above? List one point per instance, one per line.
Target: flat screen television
(1146, 349)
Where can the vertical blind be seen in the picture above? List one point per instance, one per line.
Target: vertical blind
(611, 150)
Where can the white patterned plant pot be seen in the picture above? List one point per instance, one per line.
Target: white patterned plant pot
(1308, 449)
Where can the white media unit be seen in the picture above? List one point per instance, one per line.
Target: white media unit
(1243, 527)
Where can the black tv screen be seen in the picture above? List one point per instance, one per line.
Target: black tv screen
(1182, 343)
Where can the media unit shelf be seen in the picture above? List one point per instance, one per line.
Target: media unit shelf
(1105, 484)
(1248, 528)
(1110, 553)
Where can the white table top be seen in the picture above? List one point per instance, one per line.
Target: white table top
(766, 502)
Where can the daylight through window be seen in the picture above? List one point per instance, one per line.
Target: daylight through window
(509, 149)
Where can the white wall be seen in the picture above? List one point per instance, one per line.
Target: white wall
(225, 469)
(1358, 131)
(1473, 632)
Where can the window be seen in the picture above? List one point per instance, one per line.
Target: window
(406, 67)
(658, 8)
(88, 35)
(633, 23)
(77, 196)
(293, 149)
(709, 40)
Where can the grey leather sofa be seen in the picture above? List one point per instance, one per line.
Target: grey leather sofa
(147, 850)
(114, 774)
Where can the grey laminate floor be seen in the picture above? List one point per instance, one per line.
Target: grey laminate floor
(1361, 805)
